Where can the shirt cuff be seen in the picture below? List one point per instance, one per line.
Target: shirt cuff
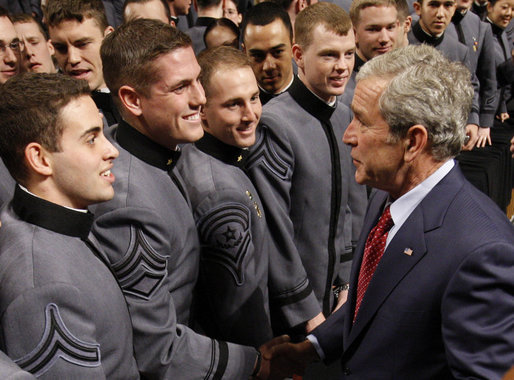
(316, 345)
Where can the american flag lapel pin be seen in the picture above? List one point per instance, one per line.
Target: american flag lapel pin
(408, 251)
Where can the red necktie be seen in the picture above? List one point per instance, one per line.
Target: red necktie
(373, 251)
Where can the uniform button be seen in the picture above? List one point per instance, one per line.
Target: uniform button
(347, 371)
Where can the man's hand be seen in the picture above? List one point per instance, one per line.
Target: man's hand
(472, 132)
(484, 137)
(292, 359)
(503, 116)
(314, 322)
(341, 299)
(263, 367)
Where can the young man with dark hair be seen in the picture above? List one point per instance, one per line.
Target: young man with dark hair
(478, 37)
(77, 29)
(434, 18)
(303, 171)
(63, 313)
(267, 40)
(37, 55)
(10, 47)
(147, 230)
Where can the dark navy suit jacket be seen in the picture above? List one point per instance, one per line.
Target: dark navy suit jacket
(446, 310)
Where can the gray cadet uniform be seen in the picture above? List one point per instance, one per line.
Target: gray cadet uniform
(304, 175)
(502, 47)
(478, 37)
(235, 241)
(10, 371)
(452, 49)
(63, 313)
(6, 184)
(149, 235)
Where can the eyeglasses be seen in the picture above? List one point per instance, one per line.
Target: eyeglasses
(16, 46)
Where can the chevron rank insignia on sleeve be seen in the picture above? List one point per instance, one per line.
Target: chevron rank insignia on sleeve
(142, 270)
(58, 342)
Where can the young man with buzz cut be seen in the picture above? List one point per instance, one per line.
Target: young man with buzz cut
(235, 241)
(77, 29)
(63, 313)
(148, 231)
(303, 171)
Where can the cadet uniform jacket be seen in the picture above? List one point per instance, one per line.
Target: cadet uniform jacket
(235, 241)
(303, 173)
(501, 54)
(6, 184)
(453, 50)
(478, 37)
(149, 235)
(63, 313)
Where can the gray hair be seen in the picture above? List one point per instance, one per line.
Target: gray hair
(427, 89)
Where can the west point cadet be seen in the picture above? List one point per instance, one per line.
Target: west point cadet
(63, 313)
(147, 230)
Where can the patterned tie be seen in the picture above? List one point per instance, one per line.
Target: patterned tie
(373, 251)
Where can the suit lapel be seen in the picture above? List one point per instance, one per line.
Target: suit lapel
(395, 264)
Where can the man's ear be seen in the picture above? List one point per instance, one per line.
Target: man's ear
(130, 99)
(108, 30)
(298, 56)
(415, 142)
(38, 159)
(407, 24)
(417, 8)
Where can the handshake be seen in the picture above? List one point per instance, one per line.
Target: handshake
(279, 358)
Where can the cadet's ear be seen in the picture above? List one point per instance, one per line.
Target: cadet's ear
(415, 142)
(298, 56)
(108, 30)
(130, 99)
(417, 7)
(38, 159)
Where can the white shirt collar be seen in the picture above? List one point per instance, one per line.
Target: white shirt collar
(405, 205)
(34, 195)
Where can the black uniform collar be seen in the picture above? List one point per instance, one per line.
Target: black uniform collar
(310, 102)
(145, 149)
(358, 63)
(204, 21)
(175, 20)
(424, 37)
(458, 16)
(228, 154)
(495, 28)
(51, 216)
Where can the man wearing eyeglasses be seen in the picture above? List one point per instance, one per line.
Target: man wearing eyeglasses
(10, 47)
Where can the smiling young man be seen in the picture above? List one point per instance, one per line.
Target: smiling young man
(303, 171)
(234, 237)
(147, 230)
(77, 29)
(63, 313)
(267, 40)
